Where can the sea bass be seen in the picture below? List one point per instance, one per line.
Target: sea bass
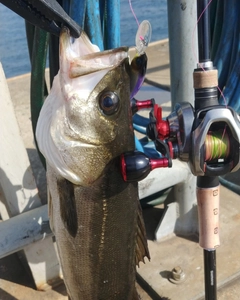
(83, 128)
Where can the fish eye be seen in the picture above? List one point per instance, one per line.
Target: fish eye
(109, 103)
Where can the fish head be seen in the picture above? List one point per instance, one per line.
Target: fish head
(86, 120)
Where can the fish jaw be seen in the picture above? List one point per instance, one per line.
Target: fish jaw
(74, 134)
(81, 60)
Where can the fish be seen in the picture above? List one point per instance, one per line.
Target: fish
(84, 126)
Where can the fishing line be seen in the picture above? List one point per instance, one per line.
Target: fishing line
(132, 10)
(141, 38)
(217, 146)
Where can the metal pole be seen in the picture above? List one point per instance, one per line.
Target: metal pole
(24, 229)
(183, 51)
(113, 24)
(182, 20)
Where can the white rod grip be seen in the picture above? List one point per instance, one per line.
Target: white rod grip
(208, 217)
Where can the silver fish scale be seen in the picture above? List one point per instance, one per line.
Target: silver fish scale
(99, 262)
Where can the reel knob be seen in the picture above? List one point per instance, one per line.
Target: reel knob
(137, 105)
(135, 165)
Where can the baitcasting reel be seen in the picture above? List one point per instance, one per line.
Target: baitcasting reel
(208, 139)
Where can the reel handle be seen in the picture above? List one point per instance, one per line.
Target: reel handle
(135, 165)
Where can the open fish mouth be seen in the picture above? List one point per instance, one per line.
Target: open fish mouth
(84, 57)
(97, 61)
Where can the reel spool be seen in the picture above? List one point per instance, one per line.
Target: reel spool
(217, 146)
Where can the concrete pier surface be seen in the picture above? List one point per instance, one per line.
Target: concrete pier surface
(153, 278)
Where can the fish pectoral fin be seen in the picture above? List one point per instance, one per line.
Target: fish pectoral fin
(141, 240)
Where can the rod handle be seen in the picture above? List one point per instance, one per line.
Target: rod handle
(208, 216)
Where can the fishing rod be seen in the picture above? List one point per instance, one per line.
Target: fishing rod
(206, 136)
(208, 189)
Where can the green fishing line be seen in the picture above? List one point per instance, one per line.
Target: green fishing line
(217, 145)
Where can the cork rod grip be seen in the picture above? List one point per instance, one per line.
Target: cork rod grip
(208, 216)
(205, 79)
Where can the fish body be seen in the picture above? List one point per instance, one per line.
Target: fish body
(84, 126)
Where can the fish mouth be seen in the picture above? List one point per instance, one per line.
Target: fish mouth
(97, 61)
(86, 58)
